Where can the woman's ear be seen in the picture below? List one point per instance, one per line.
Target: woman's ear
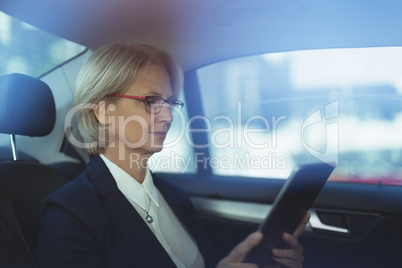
(101, 113)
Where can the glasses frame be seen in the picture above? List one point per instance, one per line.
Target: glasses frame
(174, 104)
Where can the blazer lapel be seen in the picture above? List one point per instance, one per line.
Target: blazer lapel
(177, 201)
(124, 217)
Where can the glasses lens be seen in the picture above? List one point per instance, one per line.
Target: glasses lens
(154, 104)
(175, 105)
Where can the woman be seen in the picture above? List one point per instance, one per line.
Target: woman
(116, 213)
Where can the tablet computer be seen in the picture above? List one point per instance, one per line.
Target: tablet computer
(291, 204)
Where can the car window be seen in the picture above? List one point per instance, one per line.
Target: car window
(267, 113)
(28, 50)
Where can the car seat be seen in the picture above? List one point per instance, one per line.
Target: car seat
(27, 108)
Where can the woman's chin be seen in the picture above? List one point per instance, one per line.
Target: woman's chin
(156, 148)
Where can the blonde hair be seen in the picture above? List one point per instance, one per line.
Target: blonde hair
(111, 70)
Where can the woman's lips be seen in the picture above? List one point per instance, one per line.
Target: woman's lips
(160, 134)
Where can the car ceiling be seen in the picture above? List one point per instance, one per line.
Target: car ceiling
(199, 32)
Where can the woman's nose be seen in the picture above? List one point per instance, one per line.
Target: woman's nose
(166, 114)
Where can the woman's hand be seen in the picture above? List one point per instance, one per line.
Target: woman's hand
(238, 253)
(291, 256)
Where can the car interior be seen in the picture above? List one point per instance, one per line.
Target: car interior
(268, 85)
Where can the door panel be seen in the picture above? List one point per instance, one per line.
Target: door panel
(352, 225)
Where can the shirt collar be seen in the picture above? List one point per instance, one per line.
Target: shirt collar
(131, 188)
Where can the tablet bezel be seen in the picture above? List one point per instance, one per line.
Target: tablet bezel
(289, 208)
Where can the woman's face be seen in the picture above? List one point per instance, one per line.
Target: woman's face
(134, 130)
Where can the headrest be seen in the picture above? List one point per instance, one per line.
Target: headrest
(26, 106)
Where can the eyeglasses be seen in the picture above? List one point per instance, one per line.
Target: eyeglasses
(154, 104)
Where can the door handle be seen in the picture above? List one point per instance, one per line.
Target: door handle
(317, 225)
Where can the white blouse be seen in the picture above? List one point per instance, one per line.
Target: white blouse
(170, 232)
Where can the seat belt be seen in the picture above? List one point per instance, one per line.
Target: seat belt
(14, 251)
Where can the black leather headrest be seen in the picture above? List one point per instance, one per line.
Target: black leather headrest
(26, 106)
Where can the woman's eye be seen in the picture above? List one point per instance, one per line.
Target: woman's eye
(152, 101)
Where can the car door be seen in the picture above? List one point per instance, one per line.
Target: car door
(235, 160)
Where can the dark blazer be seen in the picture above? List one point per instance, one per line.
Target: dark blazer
(89, 223)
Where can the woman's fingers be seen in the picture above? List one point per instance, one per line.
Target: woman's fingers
(292, 256)
(302, 225)
(238, 253)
